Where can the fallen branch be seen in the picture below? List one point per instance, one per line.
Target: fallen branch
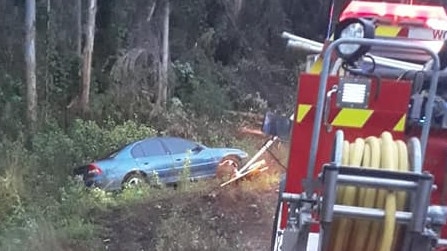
(259, 165)
(151, 12)
(251, 131)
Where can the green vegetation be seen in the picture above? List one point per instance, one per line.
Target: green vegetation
(43, 208)
(40, 204)
(223, 56)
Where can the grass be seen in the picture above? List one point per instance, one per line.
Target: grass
(186, 225)
(68, 222)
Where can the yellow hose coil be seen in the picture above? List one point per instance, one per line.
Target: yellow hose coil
(353, 235)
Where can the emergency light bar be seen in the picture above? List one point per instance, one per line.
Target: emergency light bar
(434, 17)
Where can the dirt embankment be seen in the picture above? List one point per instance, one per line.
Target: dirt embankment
(236, 217)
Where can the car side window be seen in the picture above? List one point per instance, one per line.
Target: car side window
(152, 147)
(177, 145)
(137, 151)
(148, 148)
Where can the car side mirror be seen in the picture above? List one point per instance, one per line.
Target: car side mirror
(277, 125)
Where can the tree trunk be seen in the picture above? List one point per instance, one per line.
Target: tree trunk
(87, 57)
(48, 48)
(78, 10)
(30, 62)
(163, 71)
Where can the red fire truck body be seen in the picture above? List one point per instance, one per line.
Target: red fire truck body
(376, 91)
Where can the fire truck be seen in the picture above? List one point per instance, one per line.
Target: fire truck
(367, 166)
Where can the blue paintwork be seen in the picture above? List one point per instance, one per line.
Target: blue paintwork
(164, 155)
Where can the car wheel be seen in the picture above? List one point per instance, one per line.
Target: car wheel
(228, 167)
(134, 180)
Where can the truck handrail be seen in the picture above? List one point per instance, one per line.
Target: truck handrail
(316, 47)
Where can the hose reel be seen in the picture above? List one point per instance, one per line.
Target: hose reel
(375, 196)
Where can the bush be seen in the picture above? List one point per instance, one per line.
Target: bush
(13, 173)
(198, 85)
(93, 141)
(85, 141)
(37, 235)
(41, 207)
(55, 151)
(11, 104)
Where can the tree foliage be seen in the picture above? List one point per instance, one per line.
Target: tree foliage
(223, 54)
(232, 50)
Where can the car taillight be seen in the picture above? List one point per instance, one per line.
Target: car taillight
(94, 169)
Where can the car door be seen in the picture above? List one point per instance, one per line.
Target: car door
(152, 157)
(184, 154)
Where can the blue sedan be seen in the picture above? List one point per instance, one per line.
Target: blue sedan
(165, 157)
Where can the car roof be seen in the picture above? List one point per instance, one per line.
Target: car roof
(162, 137)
